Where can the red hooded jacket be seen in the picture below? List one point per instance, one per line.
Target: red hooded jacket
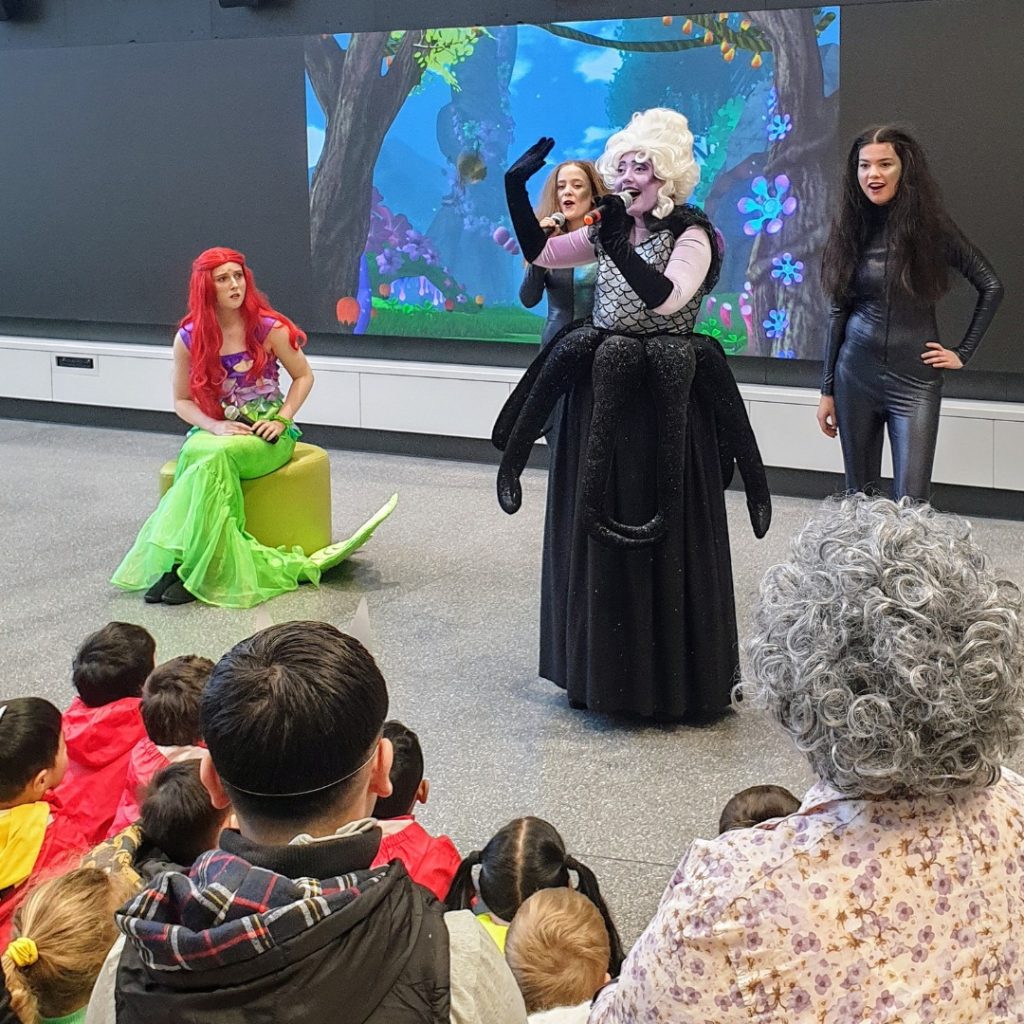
(100, 742)
(61, 847)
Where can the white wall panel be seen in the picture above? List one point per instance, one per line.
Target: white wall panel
(127, 382)
(334, 400)
(788, 436)
(425, 405)
(25, 373)
(1009, 455)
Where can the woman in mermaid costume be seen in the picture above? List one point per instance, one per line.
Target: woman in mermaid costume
(226, 359)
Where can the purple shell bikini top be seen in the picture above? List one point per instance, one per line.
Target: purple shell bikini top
(236, 390)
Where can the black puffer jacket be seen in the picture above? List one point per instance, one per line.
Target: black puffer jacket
(376, 953)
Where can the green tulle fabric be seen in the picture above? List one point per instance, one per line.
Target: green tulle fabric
(200, 525)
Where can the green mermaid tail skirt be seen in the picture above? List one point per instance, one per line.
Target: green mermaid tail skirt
(200, 526)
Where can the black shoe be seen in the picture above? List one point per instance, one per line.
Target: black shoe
(156, 592)
(177, 594)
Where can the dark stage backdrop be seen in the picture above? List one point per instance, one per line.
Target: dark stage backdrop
(120, 162)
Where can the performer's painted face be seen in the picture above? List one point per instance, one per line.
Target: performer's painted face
(575, 196)
(878, 171)
(229, 282)
(638, 176)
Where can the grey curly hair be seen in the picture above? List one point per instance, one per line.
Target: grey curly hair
(890, 652)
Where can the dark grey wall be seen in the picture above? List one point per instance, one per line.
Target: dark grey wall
(120, 162)
(95, 22)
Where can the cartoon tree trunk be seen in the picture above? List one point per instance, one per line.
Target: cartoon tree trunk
(807, 156)
(359, 103)
(477, 124)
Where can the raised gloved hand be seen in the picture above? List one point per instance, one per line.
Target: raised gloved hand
(613, 229)
(529, 234)
(615, 223)
(531, 161)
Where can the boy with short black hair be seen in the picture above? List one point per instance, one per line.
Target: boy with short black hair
(431, 861)
(36, 837)
(171, 698)
(178, 816)
(293, 718)
(104, 722)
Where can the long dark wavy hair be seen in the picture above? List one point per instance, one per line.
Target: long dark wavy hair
(528, 855)
(918, 225)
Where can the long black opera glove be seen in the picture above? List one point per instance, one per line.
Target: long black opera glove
(529, 234)
(652, 286)
(736, 440)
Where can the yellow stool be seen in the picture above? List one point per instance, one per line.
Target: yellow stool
(289, 507)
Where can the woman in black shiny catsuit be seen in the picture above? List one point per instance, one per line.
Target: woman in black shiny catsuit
(885, 265)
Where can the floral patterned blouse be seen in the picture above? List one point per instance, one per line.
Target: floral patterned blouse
(846, 912)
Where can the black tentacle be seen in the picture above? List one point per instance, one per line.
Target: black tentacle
(736, 438)
(513, 407)
(671, 364)
(618, 375)
(561, 368)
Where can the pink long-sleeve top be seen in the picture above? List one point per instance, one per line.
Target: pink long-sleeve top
(687, 266)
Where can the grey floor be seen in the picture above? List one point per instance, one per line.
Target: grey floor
(451, 585)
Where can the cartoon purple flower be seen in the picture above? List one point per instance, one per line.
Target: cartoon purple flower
(767, 205)
(779, 127)
(787, 269)
(776, 324)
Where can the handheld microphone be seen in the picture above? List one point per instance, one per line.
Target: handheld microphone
(559, 223)
(627, 197)
(232, 412)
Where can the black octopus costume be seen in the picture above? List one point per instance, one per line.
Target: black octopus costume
(874, 369)
(637, 605)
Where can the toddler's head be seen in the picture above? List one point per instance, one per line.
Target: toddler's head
(408, 787)
(177, 815)
(33, 757)
(756, 804)
(558, 949)
(113, 663)
(171, 699)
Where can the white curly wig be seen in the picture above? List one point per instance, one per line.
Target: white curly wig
(890, 652)
(662, 136)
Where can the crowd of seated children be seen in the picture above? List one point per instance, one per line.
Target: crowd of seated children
(293, 720)
(558, 949)
(37, 838)
(522, 858)
(318, 872)
(170, 713)
(430, 860)
(62, 934)
(103, 723)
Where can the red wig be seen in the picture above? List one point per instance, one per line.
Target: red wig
(206, 372)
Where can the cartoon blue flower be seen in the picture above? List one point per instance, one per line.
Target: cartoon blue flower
(768, 206)
(779, 127)
(788, 270)
(776, 324)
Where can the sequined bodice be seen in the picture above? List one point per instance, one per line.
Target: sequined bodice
(618, 308)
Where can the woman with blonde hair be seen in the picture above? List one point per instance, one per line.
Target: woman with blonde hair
(638, 615)
(63, 933)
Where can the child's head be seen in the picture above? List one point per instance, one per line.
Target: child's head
(177, 815)
(558, 949)
(408, 787)
(113, 663)
(62, 934)
(171, 699)
(756, 804)
(33, 757)
(527, 855)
